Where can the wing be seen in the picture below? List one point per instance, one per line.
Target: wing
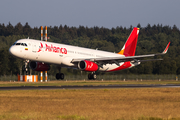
(117, 60)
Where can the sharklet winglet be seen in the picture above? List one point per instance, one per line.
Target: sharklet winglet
(166, 49)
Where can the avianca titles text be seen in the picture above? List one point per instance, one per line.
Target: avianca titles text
(52, 48)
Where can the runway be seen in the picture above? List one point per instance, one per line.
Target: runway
(89, 87)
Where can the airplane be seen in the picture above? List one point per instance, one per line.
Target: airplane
(41, 54)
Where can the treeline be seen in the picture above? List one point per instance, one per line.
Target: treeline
(152, 39)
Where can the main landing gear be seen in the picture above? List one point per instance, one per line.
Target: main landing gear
(92, 76)
(59, 75)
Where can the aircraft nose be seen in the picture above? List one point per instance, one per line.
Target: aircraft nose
(12, 50)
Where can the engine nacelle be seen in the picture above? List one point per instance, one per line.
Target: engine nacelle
(87, 66)
(39, 66)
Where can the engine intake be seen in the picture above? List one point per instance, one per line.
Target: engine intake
(39, 66)
(87, 66)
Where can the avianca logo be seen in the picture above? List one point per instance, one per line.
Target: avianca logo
(90, 66)
(52, 48)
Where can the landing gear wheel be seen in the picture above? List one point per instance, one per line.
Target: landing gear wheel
(59, 76)
(92, 76)
(89, 76)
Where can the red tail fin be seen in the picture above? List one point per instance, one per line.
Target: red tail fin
(129, 47)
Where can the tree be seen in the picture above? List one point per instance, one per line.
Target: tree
(4, 60)
(152, 39)
(26, 29)
(10, 29)
(18, 29)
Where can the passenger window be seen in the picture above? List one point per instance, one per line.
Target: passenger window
(18, 43)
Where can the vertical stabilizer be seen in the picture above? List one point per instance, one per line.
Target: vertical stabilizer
(129, 47)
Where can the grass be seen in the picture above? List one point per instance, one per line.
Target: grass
(71, 117)
(100, 104)
(81, 82)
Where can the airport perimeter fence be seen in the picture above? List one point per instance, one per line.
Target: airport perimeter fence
(121, 77)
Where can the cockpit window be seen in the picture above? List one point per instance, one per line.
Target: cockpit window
(22, 44)
(18, 43)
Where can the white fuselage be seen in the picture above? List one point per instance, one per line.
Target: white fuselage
(60, 54)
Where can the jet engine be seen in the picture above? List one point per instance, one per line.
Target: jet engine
(39, 66)
(87, 66)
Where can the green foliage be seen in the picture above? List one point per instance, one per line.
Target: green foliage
(152, 39)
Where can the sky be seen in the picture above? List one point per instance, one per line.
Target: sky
(90, 13)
